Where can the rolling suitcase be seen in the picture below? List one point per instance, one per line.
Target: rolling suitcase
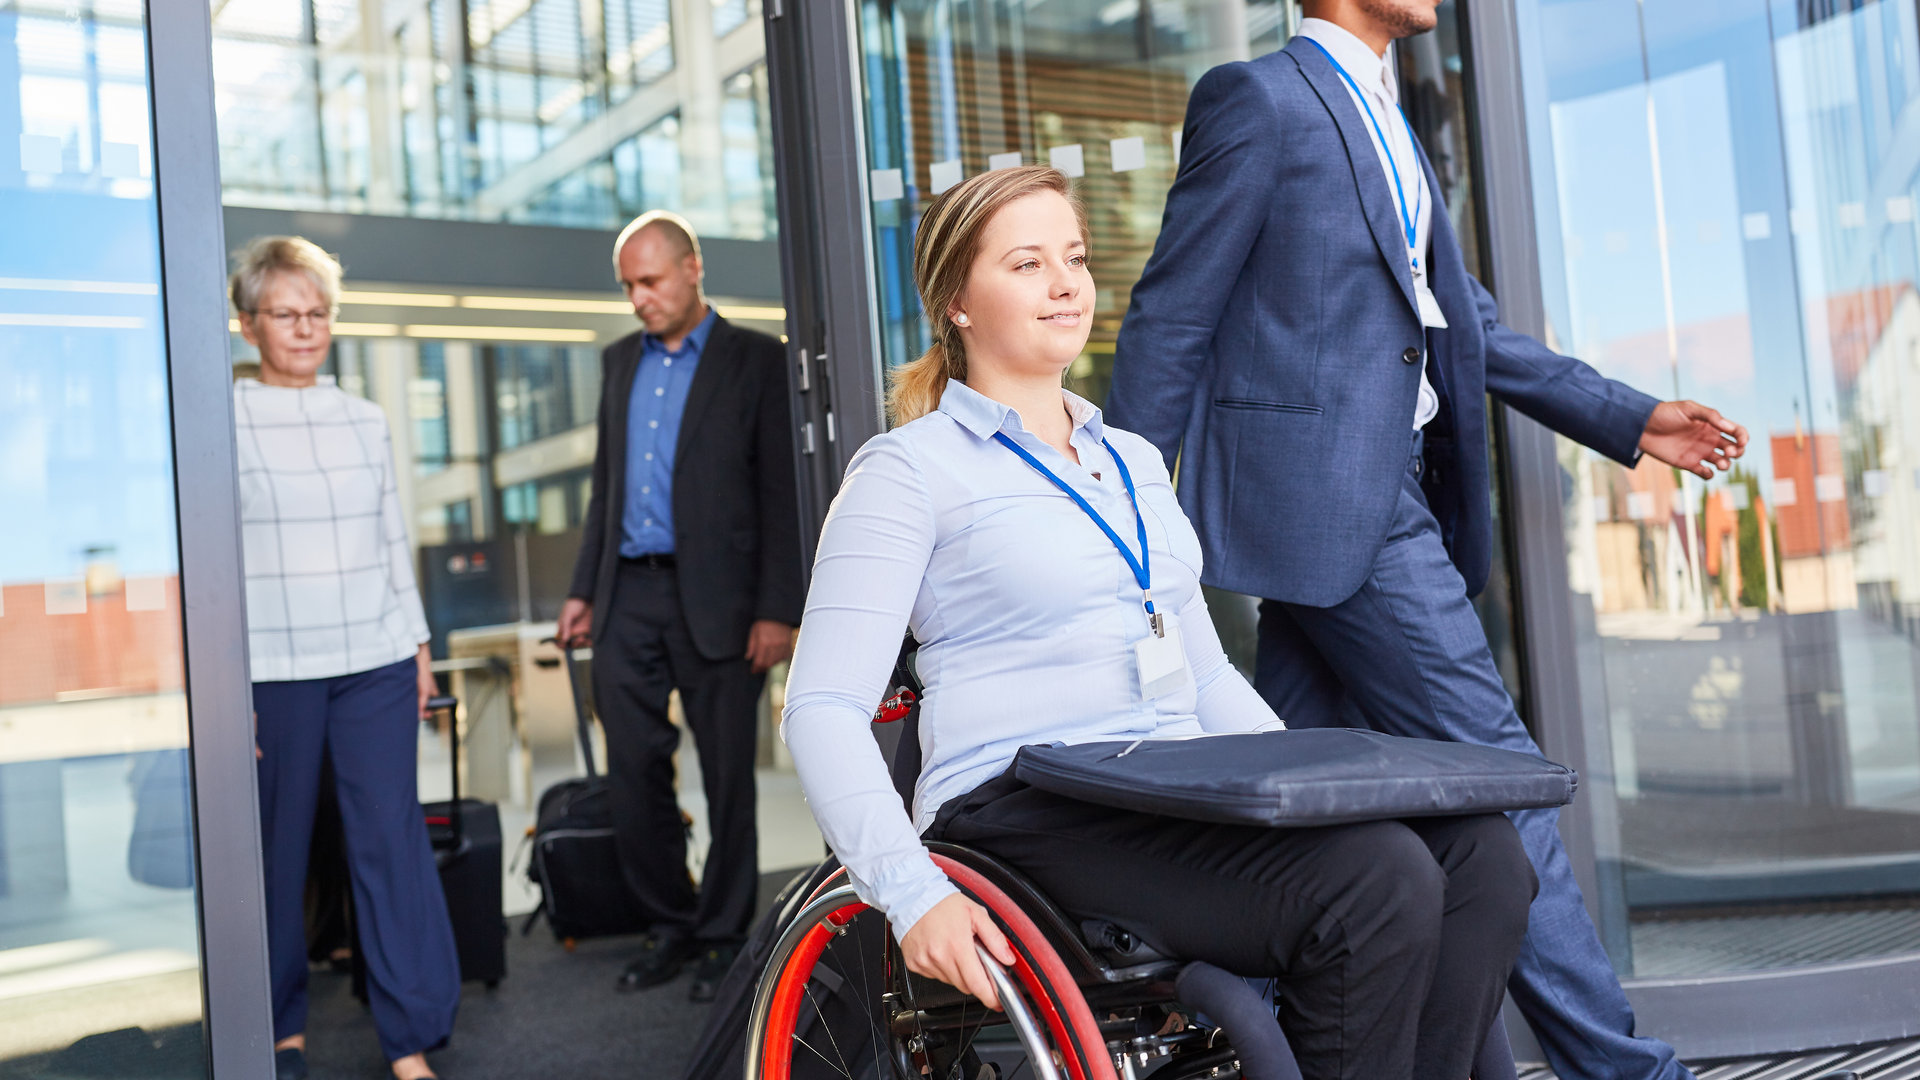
(467, 848)
(574, 862)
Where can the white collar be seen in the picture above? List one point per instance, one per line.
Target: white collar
(983, 416)
(1367, 68)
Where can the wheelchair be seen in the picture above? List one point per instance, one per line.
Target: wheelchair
(1084, 1001)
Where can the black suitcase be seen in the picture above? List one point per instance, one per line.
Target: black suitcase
(467, 847)
(574, 862)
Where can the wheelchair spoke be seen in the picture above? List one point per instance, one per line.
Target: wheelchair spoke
(816, 1053)
(846, 1070)
(876, 1030)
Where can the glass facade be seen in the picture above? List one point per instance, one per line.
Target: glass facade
(553, 112)
(1725, 200)
(99, 925)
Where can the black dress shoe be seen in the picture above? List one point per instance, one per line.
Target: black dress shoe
(290, 1064)
(660, 959)
(716, 958)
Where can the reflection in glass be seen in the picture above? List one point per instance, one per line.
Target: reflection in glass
(98, 920)
(1725, 199)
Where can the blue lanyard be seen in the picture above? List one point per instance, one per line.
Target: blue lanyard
(1392, 166)
(1140, 568)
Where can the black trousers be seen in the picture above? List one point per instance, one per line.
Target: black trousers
(645, 652)
(1390, 941)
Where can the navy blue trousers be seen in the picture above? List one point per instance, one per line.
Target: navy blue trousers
(367, 722)
(1406, 655)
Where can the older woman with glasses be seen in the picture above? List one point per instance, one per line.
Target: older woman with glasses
(338, 643)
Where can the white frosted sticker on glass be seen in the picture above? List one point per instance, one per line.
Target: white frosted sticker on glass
(1129, 154)
(67, 597)
(40, 154)
(146, 594)
(1756, 226)
(1784, 493)
(1737, 495)
(886, 184)
(1900, 209)
(1602, 508)
(1829, 488)
(1874, 483)
(1068, 159)
(943, 175)
(1616, 242)
(1003, 161)
(1851, 215)
(1710, 232)
(120, 161)
(1800, 220)
(1639, 505)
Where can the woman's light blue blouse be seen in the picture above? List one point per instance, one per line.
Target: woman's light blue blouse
(1026, 614)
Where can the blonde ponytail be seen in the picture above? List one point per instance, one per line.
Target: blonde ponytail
(914, 388)
(944, 247)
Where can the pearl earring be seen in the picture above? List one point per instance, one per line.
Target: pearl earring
(961, 318)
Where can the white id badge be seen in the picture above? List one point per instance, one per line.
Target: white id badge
(1163, 663)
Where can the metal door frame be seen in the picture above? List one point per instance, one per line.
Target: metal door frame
(833, 345)
(237, 1017)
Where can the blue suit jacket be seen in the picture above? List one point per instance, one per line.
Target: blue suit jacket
(1267, 340)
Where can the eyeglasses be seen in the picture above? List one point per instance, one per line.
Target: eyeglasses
(286, 320)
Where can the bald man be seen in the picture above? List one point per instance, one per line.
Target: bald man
(688, 578)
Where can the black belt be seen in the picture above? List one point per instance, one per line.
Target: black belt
(651, 562)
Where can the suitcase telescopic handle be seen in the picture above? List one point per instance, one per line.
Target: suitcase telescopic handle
(582, 716)
(450, 705)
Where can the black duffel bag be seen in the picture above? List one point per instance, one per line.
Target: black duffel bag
(1297, 777)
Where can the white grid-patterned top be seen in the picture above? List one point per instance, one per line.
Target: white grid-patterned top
(330, 588)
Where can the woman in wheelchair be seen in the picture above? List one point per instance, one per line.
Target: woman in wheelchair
(1004, 525)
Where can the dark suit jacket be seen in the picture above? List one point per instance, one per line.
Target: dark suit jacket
(736, 521)
(1267, 346)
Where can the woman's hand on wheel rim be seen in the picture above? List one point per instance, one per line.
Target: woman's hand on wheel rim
(940, 946)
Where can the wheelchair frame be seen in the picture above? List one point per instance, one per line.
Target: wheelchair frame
(1060, 979)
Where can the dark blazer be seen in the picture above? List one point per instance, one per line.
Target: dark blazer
(736, 521)
(1272, 346)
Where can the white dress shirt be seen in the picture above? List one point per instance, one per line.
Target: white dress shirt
(330, 587)
(1374, 76)
(1027, 619)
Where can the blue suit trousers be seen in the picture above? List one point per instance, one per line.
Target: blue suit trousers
(1407, 655)
(367, 723)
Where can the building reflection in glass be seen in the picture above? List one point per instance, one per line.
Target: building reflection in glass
(1725, 199)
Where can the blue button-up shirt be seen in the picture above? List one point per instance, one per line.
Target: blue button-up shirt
(654, 410)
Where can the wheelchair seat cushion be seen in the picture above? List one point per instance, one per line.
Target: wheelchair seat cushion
(1297, 777)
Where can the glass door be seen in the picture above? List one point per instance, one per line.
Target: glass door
(131, 942)
(100, 957)
(1725, 206)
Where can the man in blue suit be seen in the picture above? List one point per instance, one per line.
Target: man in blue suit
(1307, 342)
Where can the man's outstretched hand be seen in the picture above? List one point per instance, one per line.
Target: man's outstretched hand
(1690, 436)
